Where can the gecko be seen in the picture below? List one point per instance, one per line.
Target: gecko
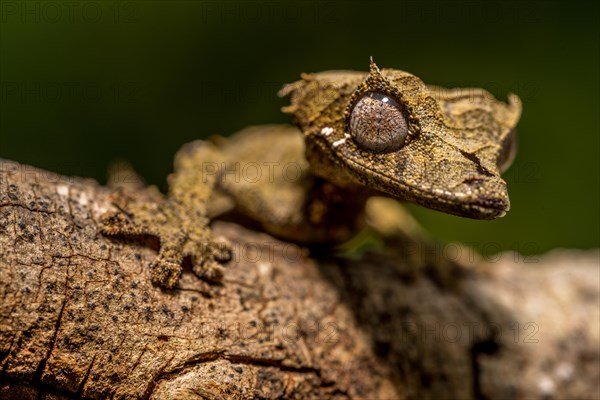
(356, 134)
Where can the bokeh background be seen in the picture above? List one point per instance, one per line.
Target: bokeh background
(87, 82)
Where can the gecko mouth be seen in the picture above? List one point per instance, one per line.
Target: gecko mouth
(488, 209)
(480, 208)
(486, 200)
(475, 206)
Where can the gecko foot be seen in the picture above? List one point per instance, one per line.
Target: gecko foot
(179, 235)
(210, 263)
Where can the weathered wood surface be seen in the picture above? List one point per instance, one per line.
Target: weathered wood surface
(79, 317)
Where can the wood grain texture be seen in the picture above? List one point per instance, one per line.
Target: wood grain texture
(79, 316)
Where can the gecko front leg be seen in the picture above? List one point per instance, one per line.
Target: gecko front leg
(180, 221)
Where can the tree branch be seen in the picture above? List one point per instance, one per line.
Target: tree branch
(79, 316)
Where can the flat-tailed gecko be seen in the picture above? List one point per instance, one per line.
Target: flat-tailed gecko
(357, 134)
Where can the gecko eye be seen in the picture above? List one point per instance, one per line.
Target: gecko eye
(377, 123)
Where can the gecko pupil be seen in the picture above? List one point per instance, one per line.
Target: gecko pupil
(377, 123)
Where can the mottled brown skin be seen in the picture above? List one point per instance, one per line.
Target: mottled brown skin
(451, 160)
(443, 149)
(287, 199)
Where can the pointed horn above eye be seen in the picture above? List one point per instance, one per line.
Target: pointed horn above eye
(373, 67)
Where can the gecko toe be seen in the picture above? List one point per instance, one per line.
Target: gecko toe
(221, 250)
(165, 273)
(210, 270)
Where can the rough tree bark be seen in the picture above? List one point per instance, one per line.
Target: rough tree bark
(79, 317)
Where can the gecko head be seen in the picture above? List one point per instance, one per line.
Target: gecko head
(388, 131)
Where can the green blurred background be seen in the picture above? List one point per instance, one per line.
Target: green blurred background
(84, 83)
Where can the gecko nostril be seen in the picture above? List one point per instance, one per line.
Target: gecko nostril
(474, 181)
